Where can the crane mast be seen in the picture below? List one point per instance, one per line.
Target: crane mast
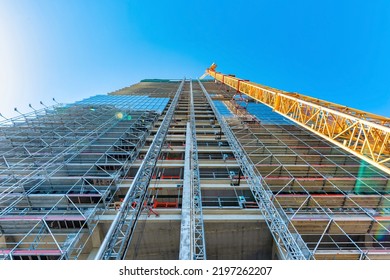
(363, 134)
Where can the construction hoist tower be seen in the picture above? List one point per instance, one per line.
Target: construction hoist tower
(195, 169)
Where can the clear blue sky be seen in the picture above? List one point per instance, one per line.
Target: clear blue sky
(333, 50)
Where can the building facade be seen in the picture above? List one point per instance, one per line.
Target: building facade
(183, 169)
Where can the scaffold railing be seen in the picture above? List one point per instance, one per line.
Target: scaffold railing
(289, 242)
(118, 238)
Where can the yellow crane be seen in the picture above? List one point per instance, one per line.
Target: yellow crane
(361, 133)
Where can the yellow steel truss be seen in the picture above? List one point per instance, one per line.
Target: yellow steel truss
(363, 134)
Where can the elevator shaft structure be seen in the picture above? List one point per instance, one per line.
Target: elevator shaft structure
(361, 133)
(198, 239)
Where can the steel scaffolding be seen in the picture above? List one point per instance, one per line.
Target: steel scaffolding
(289, 241)
(117, 241)
(60, 165)
(312, 192)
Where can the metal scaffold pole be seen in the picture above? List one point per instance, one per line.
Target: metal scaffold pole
(117, 241)
(290, 243)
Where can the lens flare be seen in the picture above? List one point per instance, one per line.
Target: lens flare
(119, 115)
(359, 187)
(382, 234)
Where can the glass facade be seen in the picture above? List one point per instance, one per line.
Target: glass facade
(133, 102)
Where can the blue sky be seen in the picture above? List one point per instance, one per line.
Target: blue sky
(333, 50)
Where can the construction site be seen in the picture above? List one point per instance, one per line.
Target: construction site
(195, 169)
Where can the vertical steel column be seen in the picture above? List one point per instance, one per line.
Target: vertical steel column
(186, 205)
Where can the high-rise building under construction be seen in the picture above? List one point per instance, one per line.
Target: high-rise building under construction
(195, 169)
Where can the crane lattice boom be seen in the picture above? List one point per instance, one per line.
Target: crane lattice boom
(363, 134)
